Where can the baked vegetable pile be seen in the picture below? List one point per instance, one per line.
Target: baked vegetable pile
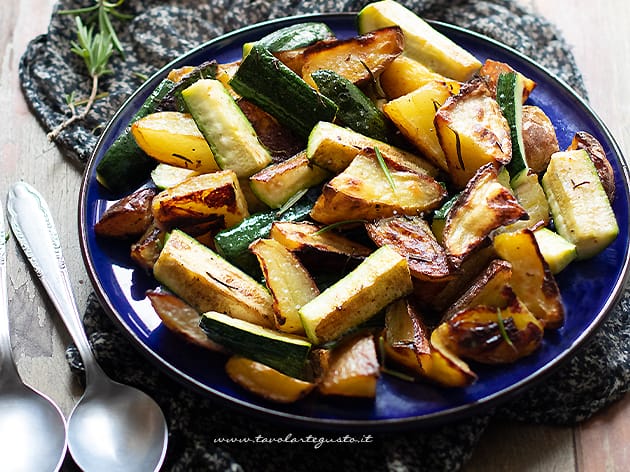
(325, 211)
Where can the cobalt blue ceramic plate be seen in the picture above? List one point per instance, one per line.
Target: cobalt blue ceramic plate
(589, 289)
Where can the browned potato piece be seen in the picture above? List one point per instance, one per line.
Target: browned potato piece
(539, 138)
(354, 369)
(362, 191)
(483, 206)
(588, 142)
(490, 288)
(472, 132)
(147, 250)
(412, 237)
(266, 381)
(319, 250)
(129, 217)
(358, 59)
(492, 335)
(490, 71)
(281, 142)
(405, 75)
(532, 280)
(201, 199)
(179, 317)
(406, 338)
(446, 368)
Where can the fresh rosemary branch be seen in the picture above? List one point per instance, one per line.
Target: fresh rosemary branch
(96, 49)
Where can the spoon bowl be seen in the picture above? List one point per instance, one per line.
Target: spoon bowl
(32, 428)
(113, 427)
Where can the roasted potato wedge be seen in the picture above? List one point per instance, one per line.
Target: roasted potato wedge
(446, 368)
(483, 206)
(266, 381)
(532, 280)
(319, 250)
(173, 138)
(147, 249)
(181, 318)
(404, 75)
(490, 71)
(363, 191)
(129, 217)
(492, 335)
(358, 59)
(412, 237)
(413, 114)
(539, 138)
(472, 132)
(289, 283)
(491, 288)
(588, 142)
(406, 338)
(201, 198)
(354, 369)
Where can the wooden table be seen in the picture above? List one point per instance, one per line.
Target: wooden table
(597, 30)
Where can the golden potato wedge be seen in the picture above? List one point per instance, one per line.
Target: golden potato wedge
(363, 191)
(404, 75)
(359, 59)
(532, 280)
(492, 335)
(289, 283)
(446, 368)
(588, 142)
(266, 381)
(333, 147)
(413, 114)
(539, 138)
(483, 206)
(472, 132)
(129, 217)
(200, 199)
(412, 237)
(173, 138)
(181, 318)
(490, 71)
(354, 369)
(175, 75)
(490, 288)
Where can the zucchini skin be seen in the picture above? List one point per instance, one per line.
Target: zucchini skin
(356, 110)
(267, 82)
(296, 36)
(124, 165)
(510, 100)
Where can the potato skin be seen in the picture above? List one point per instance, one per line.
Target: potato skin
(539, 138)
(588, 142)
(129, 217)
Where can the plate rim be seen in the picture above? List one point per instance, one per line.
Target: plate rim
(440, 417)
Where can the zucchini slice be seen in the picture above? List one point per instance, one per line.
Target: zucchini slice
(380, 279)
(284, 352)
(510, 100)
(292, 37)
(230, 135)
(267, 82)
(579, 205)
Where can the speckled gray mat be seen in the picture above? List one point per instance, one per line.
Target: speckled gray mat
(162, 30)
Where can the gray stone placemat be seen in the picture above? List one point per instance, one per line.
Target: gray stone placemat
(160, 31)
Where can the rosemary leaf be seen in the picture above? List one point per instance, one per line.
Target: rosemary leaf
(337, 224)
(383, 165)
(502, 330)
(291, 201)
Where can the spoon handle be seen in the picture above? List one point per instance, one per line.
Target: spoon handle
(34, 228)
(7, 367)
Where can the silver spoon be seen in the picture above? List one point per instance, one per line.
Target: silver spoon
(113, 427)
(32, 428)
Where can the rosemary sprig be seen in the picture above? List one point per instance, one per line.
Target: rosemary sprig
(502, 329)
(96, 49)
(383, 164)
(338, 224)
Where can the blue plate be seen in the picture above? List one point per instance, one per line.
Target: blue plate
(589, 289)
